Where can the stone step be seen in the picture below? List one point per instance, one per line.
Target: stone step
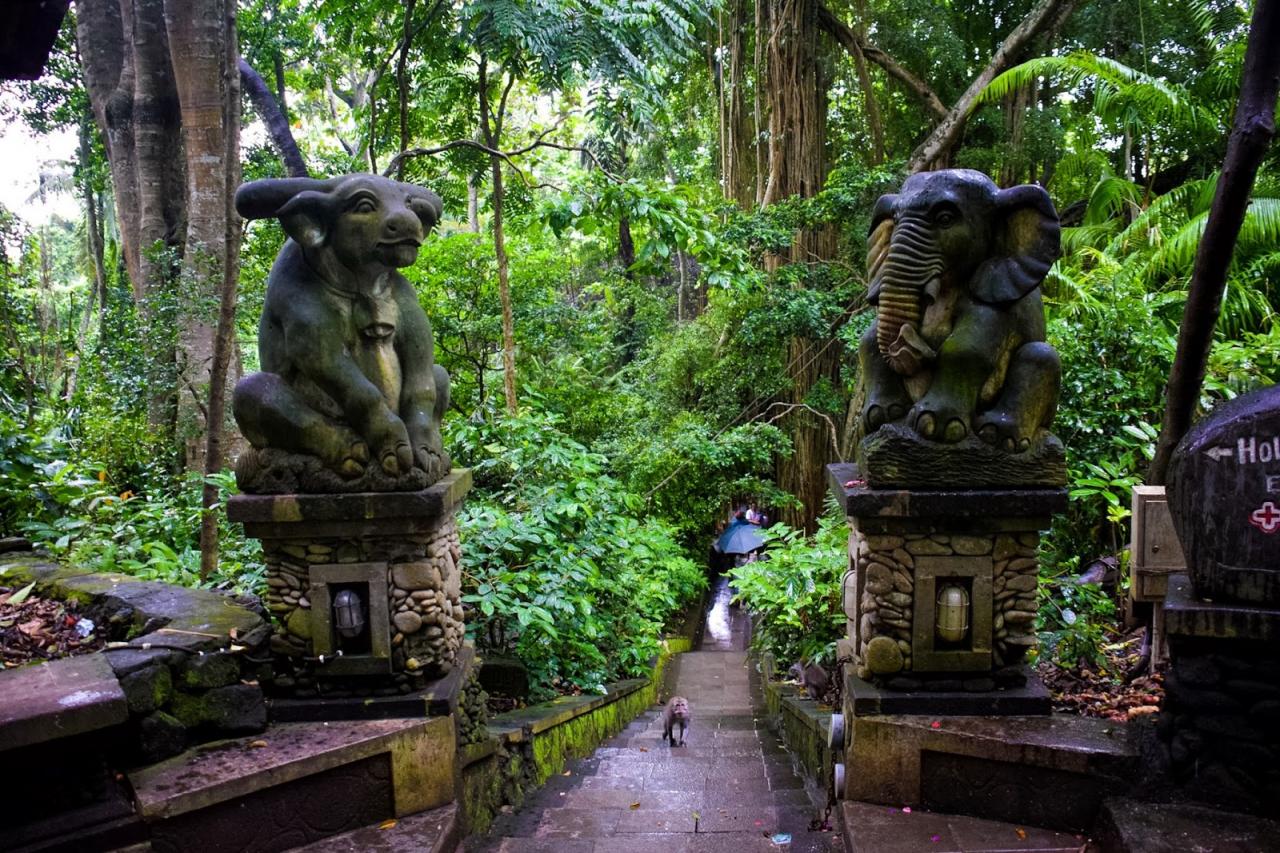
(1128, 826)
(434, 831)
(1045, 771)
(599, 823)
(668, 842)
(874, 828)
(59, 699)
(620, 798)
(296, 784)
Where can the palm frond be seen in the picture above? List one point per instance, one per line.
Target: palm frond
(1121, 93)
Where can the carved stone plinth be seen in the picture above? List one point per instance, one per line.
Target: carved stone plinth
(941, 588)
(364, 588)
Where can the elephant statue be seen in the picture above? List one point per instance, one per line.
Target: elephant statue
(350, 397)
(957, 349)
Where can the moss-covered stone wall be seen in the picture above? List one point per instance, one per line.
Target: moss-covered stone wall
(530, 745)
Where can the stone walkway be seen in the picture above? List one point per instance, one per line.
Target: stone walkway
(732, 788)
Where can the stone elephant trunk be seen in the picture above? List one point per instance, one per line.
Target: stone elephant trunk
(904, 259)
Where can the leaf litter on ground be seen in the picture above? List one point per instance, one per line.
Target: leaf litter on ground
(35, 629)
(1104, 692)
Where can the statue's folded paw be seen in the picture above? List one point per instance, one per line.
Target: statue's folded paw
(1000, 429)
(938, 421)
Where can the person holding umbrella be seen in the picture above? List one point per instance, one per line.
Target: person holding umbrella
(740, 539)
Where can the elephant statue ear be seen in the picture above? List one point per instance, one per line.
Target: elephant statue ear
(878, 242)
(1027, 242)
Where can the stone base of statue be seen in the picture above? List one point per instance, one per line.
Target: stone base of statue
(364, 590)
(895, 456)
(941, 593)
(268, 471)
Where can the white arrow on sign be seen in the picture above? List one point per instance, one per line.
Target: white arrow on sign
(1219, 453)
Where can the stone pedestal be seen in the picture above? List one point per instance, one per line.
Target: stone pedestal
(941, 592)
(1220, 722)
(364, 588)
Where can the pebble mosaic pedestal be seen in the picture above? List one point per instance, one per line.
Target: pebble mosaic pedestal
(918, 558)
(396, 552)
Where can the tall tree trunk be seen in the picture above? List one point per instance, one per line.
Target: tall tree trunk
(1251, 134)
(869, 103)
(224, 337)
(473, 203)
(107, 64)
(94, 251)
(491, 126)
(93, 224)
(759, 72)
(402, 81)
(739, 159)
(797, 166)
(626, 246)
(157, 127)
(207, 83)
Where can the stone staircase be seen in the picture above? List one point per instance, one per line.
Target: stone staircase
(731, 788)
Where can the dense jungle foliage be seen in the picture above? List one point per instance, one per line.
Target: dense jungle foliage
(674, 348)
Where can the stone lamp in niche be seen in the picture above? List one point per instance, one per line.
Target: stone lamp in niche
(346, 481)
(957, 471)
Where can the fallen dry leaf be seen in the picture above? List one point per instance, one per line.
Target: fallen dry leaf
(1021, 833)
(635, 806)
(257, 744)
(387, 824)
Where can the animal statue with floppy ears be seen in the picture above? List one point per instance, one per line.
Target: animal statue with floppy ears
(958, 346)
(350, 397)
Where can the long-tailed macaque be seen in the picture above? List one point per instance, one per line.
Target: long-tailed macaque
(675, 714)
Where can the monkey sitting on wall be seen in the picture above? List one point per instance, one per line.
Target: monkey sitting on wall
(675, 714)
(813, 677)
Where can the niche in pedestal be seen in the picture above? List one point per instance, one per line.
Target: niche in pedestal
(346, 646)
(931, 651)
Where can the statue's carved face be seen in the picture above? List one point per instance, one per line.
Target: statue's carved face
(375, 222)
(366, 221)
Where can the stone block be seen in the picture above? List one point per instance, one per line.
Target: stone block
(161, 735)
(921, 547)
(408, 622)
(202, 672)
(971, 546)
(883, 657)
(125, 661)
(417, 575)
(235, 709)
(147, 689)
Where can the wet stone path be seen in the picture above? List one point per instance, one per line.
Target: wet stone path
(731, 788)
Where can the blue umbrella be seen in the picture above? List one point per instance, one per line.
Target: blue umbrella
(740, 537)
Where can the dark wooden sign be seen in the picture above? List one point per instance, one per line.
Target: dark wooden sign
(1224, 494)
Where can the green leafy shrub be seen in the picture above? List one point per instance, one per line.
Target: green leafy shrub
(796, 591)
(562, 568)
(1073, 617)
(80, 519)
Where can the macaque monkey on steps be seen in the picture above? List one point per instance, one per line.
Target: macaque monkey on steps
(675, 714)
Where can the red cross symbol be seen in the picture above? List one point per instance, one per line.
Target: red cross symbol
(1266, 518)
